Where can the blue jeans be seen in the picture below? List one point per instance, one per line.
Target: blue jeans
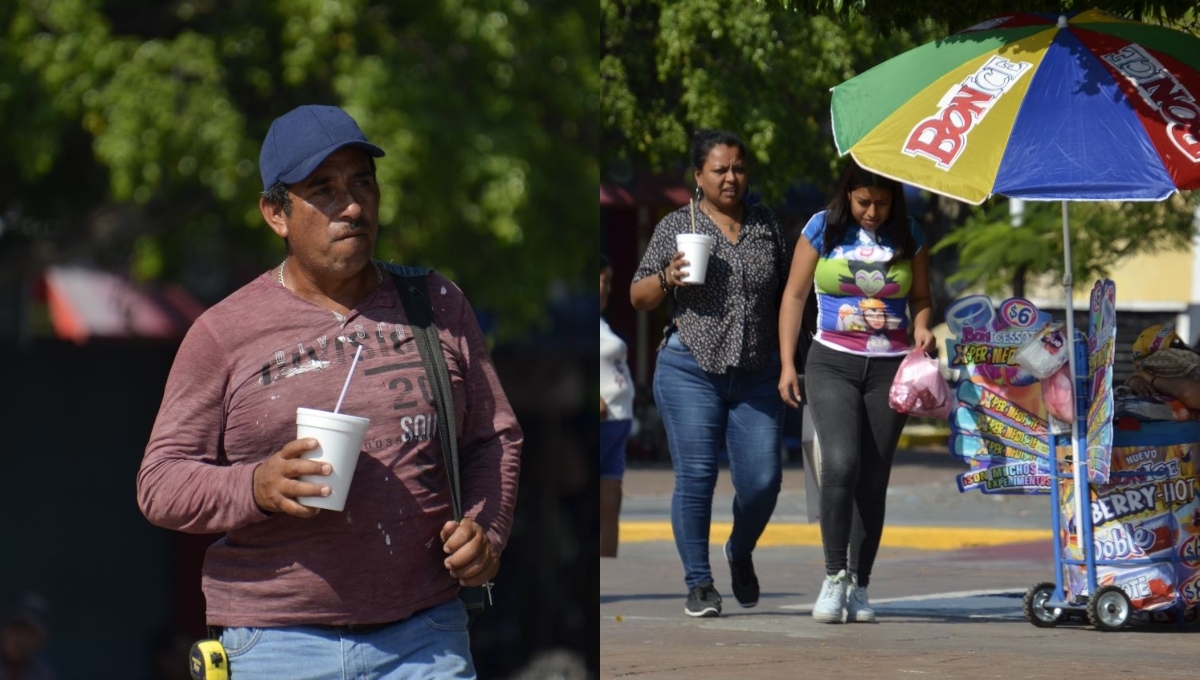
(430, 644)
(700, 411)
(858, 430)
(614, 434)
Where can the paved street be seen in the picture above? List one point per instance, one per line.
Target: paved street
(947, 588)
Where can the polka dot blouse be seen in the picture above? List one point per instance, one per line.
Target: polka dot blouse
(731, 320)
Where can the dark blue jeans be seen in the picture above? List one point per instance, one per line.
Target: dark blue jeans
(701, 411)
(858, 432)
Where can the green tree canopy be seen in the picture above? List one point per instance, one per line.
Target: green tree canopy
(669, 68)
(132, 133)
(958, 15)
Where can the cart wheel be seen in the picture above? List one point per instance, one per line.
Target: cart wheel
(1035, 609)
(1109, 609)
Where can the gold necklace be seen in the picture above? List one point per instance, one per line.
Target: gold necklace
(733, 224)
(279, 272)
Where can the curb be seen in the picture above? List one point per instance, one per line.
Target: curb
(924, 436)
(809, 535)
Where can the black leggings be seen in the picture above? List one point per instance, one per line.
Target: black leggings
(858, 432)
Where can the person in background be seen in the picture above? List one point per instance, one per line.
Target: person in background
(849, 370)
(715, 376)
(292, 591)
(616, 419)
(24, 633)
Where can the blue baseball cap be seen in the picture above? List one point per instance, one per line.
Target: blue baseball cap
(299, 140)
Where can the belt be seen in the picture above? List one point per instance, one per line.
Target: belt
(355, 628)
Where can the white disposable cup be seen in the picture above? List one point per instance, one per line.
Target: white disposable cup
(696, 249)
(340, 437)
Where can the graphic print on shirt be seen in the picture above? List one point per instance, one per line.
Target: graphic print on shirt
(863, 248)
(384, 351)
(862, 296)
(868, 278)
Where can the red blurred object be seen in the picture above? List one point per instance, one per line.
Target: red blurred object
(87, 303)
(653, 191)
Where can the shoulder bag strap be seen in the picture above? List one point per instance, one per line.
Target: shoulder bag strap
(414, 294)
(412, 284)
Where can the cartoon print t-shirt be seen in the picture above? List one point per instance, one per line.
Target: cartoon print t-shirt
(862, 301)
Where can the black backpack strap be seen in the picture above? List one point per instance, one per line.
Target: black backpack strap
(411, 283)
(406, 270)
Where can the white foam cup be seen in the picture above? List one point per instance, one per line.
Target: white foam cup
(696, 249)
(340, 437)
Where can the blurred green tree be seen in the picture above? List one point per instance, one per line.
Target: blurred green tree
(669, 67)
(958, 15)
(132, 131)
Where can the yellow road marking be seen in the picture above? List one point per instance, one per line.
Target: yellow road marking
(919, 538)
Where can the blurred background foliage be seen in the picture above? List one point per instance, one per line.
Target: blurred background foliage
(889, 15)
(1001, 257)
(132, 132)
(668, 68)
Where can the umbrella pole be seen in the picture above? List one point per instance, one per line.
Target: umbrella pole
(1081, 535)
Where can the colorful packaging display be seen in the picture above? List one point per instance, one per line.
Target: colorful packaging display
(1146, 519)
(1102, 340)
(999, 424)
(1015, 390)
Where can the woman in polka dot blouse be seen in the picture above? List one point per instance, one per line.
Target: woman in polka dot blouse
(716, 372)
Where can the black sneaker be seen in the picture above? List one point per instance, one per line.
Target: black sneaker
(745, 581)
(703, 600)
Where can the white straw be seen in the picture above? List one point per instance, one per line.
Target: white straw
(348, 377)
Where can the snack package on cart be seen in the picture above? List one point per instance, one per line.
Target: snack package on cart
(1149, 588)
(1044, 352)
(1146, 519)
(1156, 407)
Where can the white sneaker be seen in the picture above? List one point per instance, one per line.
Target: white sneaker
(858, 609)
(832, 599)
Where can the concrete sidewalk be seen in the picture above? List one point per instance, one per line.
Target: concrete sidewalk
(922, 495)
(945, 612)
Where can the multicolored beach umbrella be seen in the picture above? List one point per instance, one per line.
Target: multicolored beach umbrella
(1086, 106)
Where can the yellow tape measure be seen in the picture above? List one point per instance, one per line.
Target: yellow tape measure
(208, 661)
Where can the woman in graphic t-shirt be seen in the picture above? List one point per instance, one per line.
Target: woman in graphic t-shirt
(867, 259)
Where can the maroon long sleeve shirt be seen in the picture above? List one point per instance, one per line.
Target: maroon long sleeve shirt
(230, 402)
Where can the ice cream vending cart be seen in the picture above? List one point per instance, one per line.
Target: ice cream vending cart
(1134, 554)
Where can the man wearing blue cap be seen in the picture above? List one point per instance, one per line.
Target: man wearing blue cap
(369, 591)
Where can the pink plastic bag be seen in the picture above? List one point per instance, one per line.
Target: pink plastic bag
(1056, 393)
(919, 389)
